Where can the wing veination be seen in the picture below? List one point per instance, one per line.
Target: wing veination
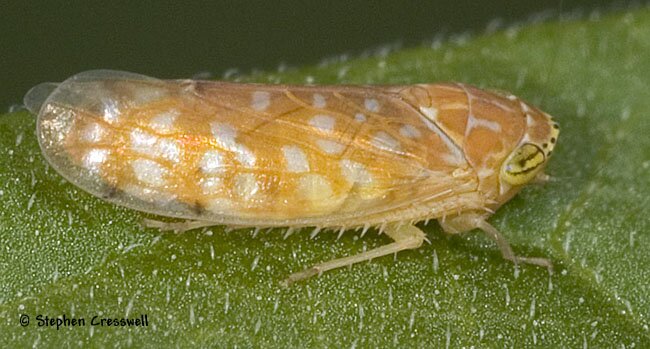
(248, 154)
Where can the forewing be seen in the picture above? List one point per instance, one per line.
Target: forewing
(376, 152)
(249, 154)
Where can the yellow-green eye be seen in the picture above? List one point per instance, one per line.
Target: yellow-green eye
(523, 164)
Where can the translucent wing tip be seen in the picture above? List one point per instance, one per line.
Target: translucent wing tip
(36, 96)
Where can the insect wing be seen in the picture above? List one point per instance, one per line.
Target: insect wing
(246, 154)
(346, 151)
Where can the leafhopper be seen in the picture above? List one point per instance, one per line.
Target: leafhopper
(328, 157)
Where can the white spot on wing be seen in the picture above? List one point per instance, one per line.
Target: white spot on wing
(245, 156)
(409, 131)
(260, 100)
(314, 187)
(168, 149)
(295, 158)
(149, 172)
(111, 110)
(360, 117)
(371, 104)
(330, 147)
(246, 186)
(93, 133)
(225, 136)
(355, 172)
(383, 140)
(142, 141)
(146, 143)
(212, 162)
(323, 122)
(94, 158)
(319, 101)
(211, 185)
(164, 122)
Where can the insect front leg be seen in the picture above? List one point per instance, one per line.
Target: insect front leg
(176, 227)
(406, 237)
(469, 221)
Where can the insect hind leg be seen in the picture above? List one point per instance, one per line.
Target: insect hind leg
(406, 237)
(176, 227)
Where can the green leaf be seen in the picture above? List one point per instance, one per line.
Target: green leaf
(65, 252)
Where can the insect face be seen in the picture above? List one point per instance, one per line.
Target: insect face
(523, 165)
(529, 158)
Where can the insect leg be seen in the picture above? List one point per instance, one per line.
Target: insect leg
(176, 227)
(405, 236)
(469, 221)
(506, 250)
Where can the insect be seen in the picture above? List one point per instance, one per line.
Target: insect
(328, 157)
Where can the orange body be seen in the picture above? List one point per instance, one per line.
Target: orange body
(276, 155)
(267, 155)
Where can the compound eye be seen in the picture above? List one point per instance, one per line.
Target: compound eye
(524, 163)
